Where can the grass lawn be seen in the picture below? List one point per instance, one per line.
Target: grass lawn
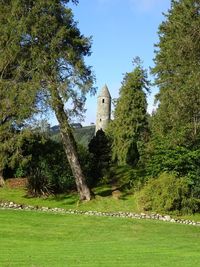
(103, 201)
(39, 239)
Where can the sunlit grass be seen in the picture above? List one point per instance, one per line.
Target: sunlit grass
(102, 202)
(48, 240)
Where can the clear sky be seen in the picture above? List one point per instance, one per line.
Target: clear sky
(120, 30)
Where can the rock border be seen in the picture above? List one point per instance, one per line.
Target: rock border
(121, 214)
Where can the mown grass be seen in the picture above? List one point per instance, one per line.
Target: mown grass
(44, 239)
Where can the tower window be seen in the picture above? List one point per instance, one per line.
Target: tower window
(103, 100)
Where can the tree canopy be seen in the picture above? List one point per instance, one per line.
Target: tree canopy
(130, 117)
(50, 53)
(177, 70)
(17, 97)
(174, 145)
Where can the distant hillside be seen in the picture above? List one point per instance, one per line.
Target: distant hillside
(82, 135)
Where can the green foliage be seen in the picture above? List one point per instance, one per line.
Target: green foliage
(85, 161)
(129, 128)
(125, 177)
(44, 162)
(177, 118)
(19, 172)
(54, 51)
(100, 149)
(43, 61)
(168, 193)
(175, 125)
(46, 166)
(39, 179)
(179, 160)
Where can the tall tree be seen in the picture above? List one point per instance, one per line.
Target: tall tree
(57, 68)
(100, 148)
(177, 118)
(129, 127)
(16, 102)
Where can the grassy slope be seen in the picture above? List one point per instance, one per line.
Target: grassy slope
(102, 202)
(43, 239)
(82, 135)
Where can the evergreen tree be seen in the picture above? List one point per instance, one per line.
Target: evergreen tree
(176, 122)
(55, 51)
(100, 148)
(129, 127)
(177, 118)
(17, 99)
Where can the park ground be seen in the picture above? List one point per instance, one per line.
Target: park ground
(34, 238)
(39, 239)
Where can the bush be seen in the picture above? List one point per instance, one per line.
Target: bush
(19, 172)
(167, 193)
(47, 169)
(40, 180)
(182, 161)
(49, 177)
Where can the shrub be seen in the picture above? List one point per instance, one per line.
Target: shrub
(167, 193)
(182, 161)
(19, 172)
(47, 169)
(39, 179)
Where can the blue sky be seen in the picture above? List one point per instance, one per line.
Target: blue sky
(120, 30)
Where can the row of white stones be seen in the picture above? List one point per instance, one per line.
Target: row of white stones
(153, 216)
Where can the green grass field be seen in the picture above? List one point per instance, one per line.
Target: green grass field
(39, 239)
(103, 202)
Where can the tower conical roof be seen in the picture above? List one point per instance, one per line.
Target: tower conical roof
(105, 92)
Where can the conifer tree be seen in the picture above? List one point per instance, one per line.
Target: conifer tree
(177, 118)
(55, 51)
(176, 122)
(100, 149)
(129, 126)
(17, 99)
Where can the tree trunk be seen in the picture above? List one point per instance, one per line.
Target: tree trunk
(2, 182)
(70, 146)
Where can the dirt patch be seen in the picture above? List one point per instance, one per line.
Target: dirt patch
(116, 194)
(16, 182)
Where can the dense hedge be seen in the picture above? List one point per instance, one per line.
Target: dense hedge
(168, 193)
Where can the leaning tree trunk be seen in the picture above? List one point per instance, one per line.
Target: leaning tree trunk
(70, 146)
(2, 183)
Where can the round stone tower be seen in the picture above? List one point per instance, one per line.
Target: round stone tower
(103, 109)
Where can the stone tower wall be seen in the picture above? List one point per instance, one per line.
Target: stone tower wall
(103, 110)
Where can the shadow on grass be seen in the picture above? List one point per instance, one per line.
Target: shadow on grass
(109, 189)
(72, 198)
(69, 198)
(104, 193)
